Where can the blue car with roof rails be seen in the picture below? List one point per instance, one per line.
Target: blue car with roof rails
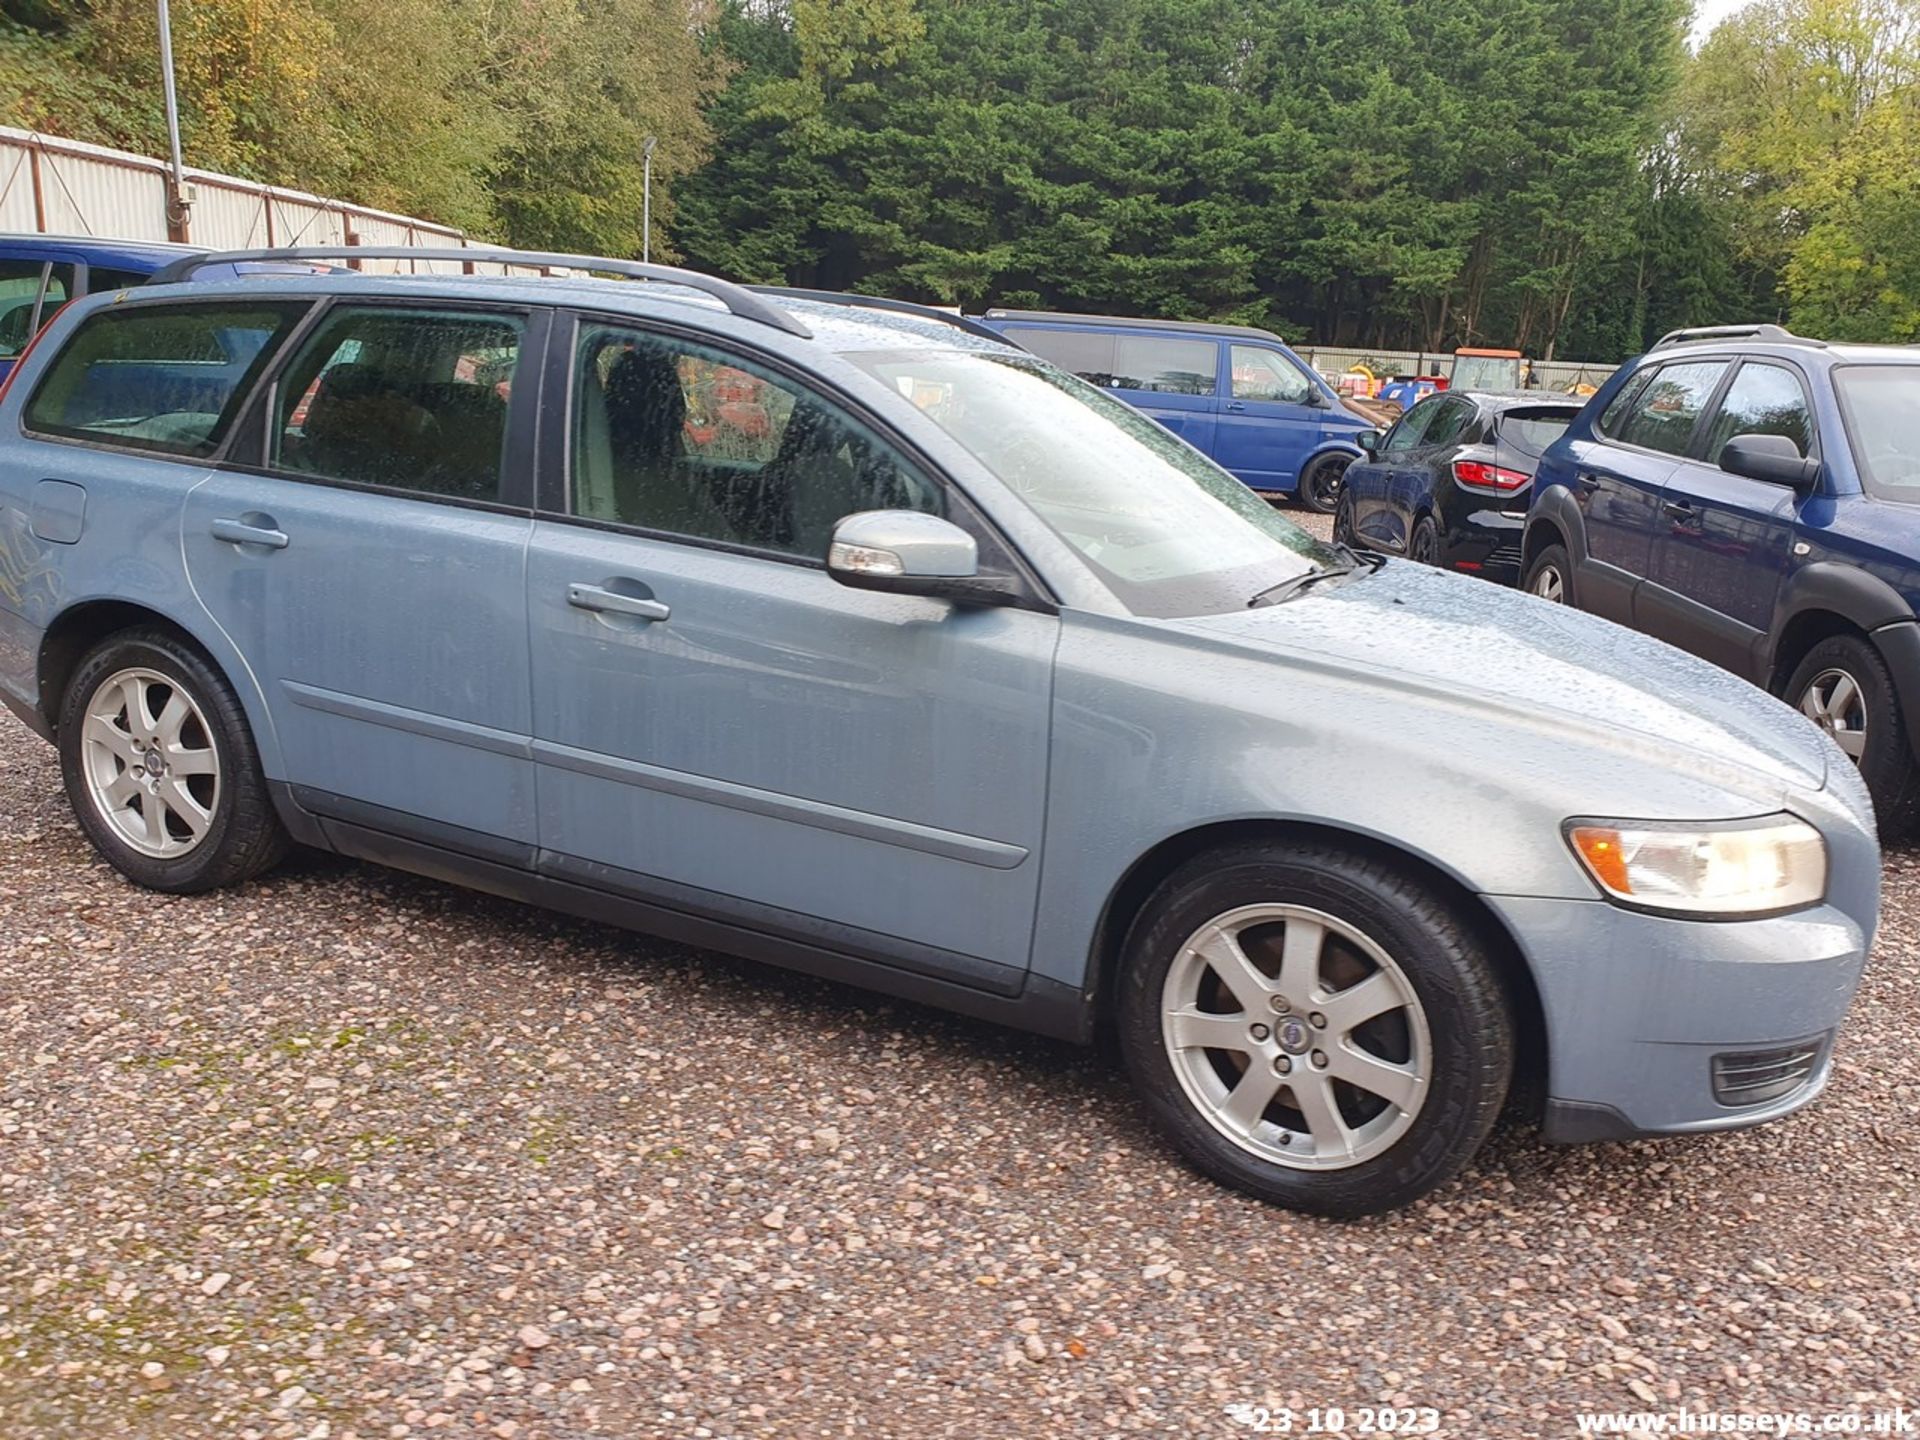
(1236, 394)
(1753, 496)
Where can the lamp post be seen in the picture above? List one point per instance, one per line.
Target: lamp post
(646, 194)
(177, 202)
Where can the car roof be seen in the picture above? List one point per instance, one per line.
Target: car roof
(146, 255)
(1070, 320)
(1840, 351)
(841, 327)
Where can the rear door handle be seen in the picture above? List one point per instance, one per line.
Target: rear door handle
(1588, 480)
(1679, 509)
(601, 600)
(239, 532)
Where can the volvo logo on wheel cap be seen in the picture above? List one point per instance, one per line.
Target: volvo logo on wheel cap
(1293, 1034)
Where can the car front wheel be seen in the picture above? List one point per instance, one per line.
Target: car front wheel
(1845, 688)
(161, 769)
(1314, 1026)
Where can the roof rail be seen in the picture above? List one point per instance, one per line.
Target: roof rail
(1071, 317)
(738, 299)
(1775, 334)
(877, 302)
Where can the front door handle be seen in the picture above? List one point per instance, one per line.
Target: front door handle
(601, 600)
(1236, 405)
(1679, 509)
(240, 532)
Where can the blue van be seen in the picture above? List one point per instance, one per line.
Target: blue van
(1236, 394)
(40, 273)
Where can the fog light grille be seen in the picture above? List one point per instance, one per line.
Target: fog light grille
(1756, 1077)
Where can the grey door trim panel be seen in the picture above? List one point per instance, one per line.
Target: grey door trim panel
(949, 844)
(414, 722)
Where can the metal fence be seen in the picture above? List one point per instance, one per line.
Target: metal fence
(1550, 374)
(53, 186)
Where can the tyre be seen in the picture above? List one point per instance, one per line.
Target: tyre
(160, 766)
(1550, 576)
(1314, 1026)
(1845, 688)
(1424, 546)
(1320, 483)
(1343, 532)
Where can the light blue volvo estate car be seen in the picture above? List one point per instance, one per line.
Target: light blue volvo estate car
(852, 637)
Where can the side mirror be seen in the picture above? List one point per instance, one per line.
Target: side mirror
(1369, 440)
(904, 552)
(1772, 458)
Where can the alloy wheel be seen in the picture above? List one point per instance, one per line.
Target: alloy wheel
(1834, 701)
(151, 768)
(1296, 1036)
(1549, 586)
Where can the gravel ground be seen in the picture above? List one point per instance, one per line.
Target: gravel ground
(347, 1153)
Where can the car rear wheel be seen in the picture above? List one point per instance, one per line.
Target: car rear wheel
(1551, 576)
(1314, 1026)
(1320, 483)
(161, 769)
(1845, 688)
(1424, 546)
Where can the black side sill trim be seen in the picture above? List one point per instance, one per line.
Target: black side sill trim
(963, 984)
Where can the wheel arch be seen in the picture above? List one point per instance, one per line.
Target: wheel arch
(1825, 599)
(1321, 450)
(83, 625)
(1129, 896)
(1554, 519)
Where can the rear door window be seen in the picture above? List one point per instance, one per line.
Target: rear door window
(1665, 413)
(1169, 367)
(165, 378)
(1086, 353)
(402, 398)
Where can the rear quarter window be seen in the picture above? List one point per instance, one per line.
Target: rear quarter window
(162, 378)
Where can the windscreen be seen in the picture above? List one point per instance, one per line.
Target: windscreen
(1882, 408)
(1168, 530)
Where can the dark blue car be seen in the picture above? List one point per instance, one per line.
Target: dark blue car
(1754, 497)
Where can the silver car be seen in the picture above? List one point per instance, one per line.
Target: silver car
(853, 637)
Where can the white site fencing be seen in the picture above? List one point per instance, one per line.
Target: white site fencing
(53, 186)
(1333, 360)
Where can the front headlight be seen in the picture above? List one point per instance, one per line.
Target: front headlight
(1728, 868)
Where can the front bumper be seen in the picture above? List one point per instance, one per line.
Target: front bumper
(1638, 1007)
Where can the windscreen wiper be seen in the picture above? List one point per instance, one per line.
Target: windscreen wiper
(1297, 584)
